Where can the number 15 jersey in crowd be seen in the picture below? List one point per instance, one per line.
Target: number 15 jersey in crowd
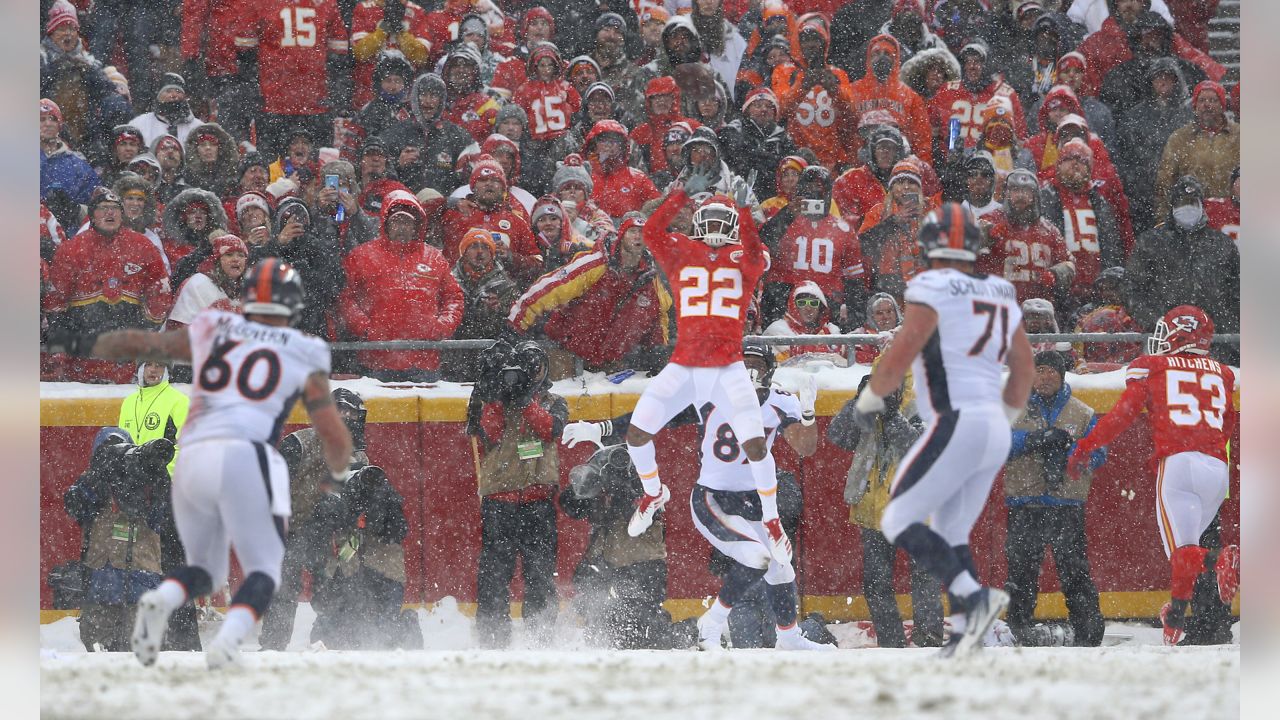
(247, 377)
(712, 287)
(961, 363)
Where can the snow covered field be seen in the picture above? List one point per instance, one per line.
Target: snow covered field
(1136, 679)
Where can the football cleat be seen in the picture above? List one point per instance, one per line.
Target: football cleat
(984, 606)
(646, 507)
(797, 641)
(148, 628)
(1172, 625)
(709, 633)
(1228, 571)
(222, 652)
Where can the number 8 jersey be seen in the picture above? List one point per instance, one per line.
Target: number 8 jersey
(247, 377)
(961, 363)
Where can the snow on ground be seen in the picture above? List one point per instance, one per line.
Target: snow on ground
(1137, 678)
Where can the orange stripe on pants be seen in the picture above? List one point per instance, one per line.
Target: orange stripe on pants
(1162, 516)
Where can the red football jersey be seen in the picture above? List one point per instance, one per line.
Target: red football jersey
(294, 39)
(712, 286)
(825, 251)
(955, 101)
(1189, 402)
(1224, 215)
(1080, 233)
(1020, 254)
(364, 22)
(550, 105)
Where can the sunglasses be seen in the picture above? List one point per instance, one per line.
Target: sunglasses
(808, 302)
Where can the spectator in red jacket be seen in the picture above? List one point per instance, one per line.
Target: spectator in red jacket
(1109, 47)
(617, 188)
(107, 277)
(608, 307)
(400, 288)
(662, 109)
(1023, 247)
(490, 208)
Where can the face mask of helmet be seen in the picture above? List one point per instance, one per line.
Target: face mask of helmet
(1188, 217)
(716, 225)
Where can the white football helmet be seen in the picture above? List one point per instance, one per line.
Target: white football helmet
(715, 222)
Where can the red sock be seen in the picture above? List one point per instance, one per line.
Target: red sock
(1188, 563)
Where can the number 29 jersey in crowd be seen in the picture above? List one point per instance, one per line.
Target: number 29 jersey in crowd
(247, 377)
(724, 462)
(961, 363)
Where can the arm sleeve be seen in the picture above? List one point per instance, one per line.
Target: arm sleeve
(366, 48)
(656, 236)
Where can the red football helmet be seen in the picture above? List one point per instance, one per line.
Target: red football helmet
(715, 222)
(1184, 329)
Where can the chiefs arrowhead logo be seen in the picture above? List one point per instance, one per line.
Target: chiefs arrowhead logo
(1186, 323)
(131, 268)
(736, 256)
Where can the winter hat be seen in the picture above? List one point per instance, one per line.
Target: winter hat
(342, 168)
(251, 159)
(582, 60)
(252, 199)
(611, 19)
(392, 62)
(572, 169)
(1061, 96)
(430, 83)
(547, 206)
(147, 159)
(120, 132)
(166, 139)
(633, 219)
(1073, 120)
(596, 87)
(228, 243)
(118, 79)
(654, 13)
(432, 202)
(292, 207)
(1072, 59)
(172, 81)
(512, 111)
(677, 133)
(1028, 6)
(976, 45)
(473, 24)
(1037, 306)
(51, 107)
(61, 13)
(375, 145)
(486, 167)
(1209, 85)
(1053, 360)
(905, 170)
(283, 187)
(1078, 149)
(474, 236)
(760, 93)
(103, 194)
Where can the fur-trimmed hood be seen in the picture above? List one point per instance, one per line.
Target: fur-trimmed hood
(915, 68)
(177, 208)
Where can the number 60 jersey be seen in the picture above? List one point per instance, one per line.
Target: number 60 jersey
(960, 364)
(247, 377)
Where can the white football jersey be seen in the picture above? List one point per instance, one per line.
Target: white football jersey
(724, 462)
(960, 365)
(246, 377)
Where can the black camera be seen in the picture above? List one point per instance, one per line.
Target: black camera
(492, 362)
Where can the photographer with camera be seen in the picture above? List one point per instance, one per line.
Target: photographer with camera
(1046, 508)
(356, 557)
(309, 482)
(121, 503)
(620, 581)
(876, 456)
(515, 420)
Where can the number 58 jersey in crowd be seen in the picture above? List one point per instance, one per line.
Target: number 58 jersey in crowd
(960, 364)
(246, 377)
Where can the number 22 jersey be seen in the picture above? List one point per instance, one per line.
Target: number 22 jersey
(247, 377)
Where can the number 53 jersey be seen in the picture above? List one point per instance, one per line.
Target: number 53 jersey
(960, 364)
(247, 377)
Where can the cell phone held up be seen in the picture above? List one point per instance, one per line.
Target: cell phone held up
(953, 135)
(331, 181)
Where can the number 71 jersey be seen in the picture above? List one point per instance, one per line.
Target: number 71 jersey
(961, 363)
(1189, 400)
(246, 377)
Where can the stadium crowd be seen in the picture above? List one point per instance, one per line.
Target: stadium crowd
(484, 169)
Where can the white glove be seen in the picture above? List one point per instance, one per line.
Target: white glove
(576, 432)
(808, 396)
(1012, 413)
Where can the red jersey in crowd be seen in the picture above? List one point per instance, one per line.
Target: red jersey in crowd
(954, 100)
(855, 192)
(111, 282)
(711, 286)
(549, 104)
(364, 22)
(294, 40)
(442, 26)
(209, 34)
(1224, 216)
(507, 227)
(824, 251)
(1023, 254)
(1189, 402)
(476, 113)
(1080, 235)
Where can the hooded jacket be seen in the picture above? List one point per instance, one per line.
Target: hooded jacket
(469, 107)
(620, 189)
(895, 96)
(917, 66)
(867, 354)
(1128, 83)
(1109, 46)
(186, 249)
(748, 146)
(400, 291)
(650, 135)
(790, 324)
(369, 39)
(219, 177)
(694, 74)
(440, 140)
(816, 118)
(597, 310)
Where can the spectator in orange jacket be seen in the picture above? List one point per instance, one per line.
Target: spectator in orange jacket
(817, 99)
(400, 288)
(881, 89)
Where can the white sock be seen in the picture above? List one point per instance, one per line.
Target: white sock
(958, 623)
(793, 631)
(964, 585)
(172, 594)
(718, 613)
(238, 625)
(645, 458)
